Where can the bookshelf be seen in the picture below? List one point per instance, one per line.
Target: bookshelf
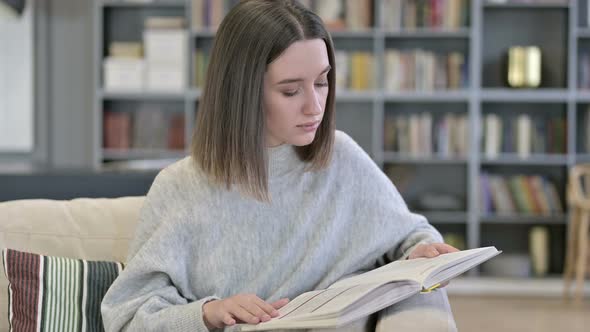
(481, 33)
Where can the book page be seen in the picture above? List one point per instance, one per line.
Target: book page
(328, 301)
(418, 269)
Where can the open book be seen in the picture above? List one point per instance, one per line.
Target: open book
(358, 296)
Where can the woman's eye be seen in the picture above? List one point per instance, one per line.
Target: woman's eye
(289, 93)
(322, 84)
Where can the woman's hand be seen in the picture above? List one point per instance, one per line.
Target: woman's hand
(432, 250)
(241, 308)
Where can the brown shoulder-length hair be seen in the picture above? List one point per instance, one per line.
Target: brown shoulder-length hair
(228, 141)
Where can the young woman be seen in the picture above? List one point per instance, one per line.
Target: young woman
(273, 202)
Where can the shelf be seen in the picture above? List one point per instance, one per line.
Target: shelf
(142, 95)
(444, 217)
(583, 158)
(583, 32)
(534, 159)
(394, 157)
(552, 285)
(526, 5)
(524, 95)
(359, 96)
(368, 33)
(153, 3)
(203, 33)
(113, 154)
(462, 33)
(519, 219)
(583, 96)
(428, 96)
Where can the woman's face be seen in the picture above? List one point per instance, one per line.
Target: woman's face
(295, 92)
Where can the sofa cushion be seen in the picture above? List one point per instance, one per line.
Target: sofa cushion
(56, 293)
(84, 228)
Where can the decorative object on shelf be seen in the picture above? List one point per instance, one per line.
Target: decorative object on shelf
(12, 8)
(539, 250)
(576, 262)
(524, 67)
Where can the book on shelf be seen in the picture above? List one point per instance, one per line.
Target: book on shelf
(424, 134)
(176, 131)
(523, 134)
(521, 194)
(355, 70)
(352, 15)
(422, 70)
(116, 130)
(132, 50)
(208, 14)
(123, 74)
(165, 42)
(148, 128)
(200, 69)
(429, 14)
(164, 22)
(360, 295)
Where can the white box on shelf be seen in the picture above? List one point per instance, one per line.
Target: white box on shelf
(124, 74)
(168, 78)
(166, 46)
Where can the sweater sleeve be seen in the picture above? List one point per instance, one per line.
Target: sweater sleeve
(378, 193)
(152, 293)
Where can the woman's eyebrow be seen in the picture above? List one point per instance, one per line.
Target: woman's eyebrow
(293, 80)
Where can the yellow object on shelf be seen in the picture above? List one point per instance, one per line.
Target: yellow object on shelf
(524, 67)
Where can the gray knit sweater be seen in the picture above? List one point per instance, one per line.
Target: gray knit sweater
(197, 241)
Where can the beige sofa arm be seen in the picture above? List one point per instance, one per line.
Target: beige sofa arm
(86, 228)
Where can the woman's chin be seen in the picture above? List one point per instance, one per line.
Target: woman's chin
(303, 140)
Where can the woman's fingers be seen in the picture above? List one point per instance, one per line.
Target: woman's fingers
(280, 303)
(431, 250)
(267, 308)
(444, 248)
(242, 314)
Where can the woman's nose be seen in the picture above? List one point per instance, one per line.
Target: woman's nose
(313, 104)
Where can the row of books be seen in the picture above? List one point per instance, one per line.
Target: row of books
(430, 14)
(355, 71)
(157, 64)
(523, 134)
(149, 128)
(336, 14)
(526, 194)
(424, 134)
(208, 14)
(344, 14)
(422, 70)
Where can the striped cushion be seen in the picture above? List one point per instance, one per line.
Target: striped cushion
(55, 293)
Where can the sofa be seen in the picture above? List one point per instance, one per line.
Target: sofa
(92, 229)
(99, 229)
